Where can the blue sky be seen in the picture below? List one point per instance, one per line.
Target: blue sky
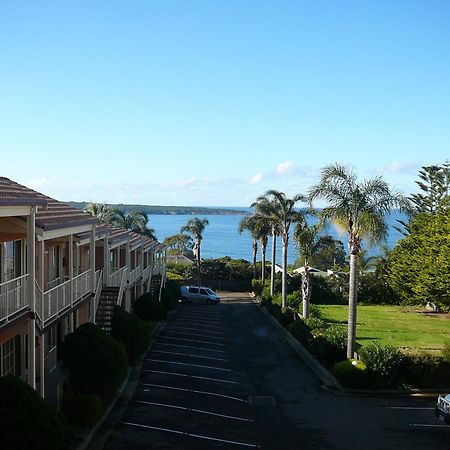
(212, 102)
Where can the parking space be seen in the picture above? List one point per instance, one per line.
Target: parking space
(189, 396)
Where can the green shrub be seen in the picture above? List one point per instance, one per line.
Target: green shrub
(337, 335)
(257, 287)
(294, 300)
(424, 371)
(130, 331)
(82, 410)
(96, 361)
(286, 317)
(170, 295)
(330, 345)
(300, 331)
(351, 373)
(383, 363)
(446, 352)
(27, 421)
(314, 311)
(316, 325)
(147, 307)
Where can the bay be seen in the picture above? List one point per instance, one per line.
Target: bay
(221, 237)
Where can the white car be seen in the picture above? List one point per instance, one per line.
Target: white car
(442, 409)
(198, 294)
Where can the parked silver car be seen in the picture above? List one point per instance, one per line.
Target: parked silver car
(198, 294)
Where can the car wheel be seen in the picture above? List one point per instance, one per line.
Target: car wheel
(183, 299)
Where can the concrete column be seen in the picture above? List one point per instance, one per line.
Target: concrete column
(31, 255)
(70, 261)
(77, 261)
(128, 264)
(106, 261)
(92, 267)
(42, 366)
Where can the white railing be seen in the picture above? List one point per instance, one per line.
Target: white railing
(82, 285)
(50, 359)
(123, 283)
(56, 300)
(135, 274)
(147, 272)
(98, 290)
(115, 278)
(13, 296)
(56, 282)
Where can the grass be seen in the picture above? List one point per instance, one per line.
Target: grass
(403, 327)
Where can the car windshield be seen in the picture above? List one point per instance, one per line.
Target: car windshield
(209, 291)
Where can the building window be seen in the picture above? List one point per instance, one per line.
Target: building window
(7, 358)
(11, 260)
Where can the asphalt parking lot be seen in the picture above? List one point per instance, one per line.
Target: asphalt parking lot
(221, 376)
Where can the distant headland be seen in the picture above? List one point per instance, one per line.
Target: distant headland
(173, 210)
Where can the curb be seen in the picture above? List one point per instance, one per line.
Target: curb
(113, 414)
(330, 382)
(327, 379)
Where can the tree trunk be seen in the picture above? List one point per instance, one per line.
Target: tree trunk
(198, 265)
(284, 274)
(306, 291)
(352, 303)
(272, 269)
(255, 250)
(263, 264)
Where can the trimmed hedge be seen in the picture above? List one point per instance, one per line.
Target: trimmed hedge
(27, 421)
(170, 294)
(97, 362)
(351, 373)
(147, 307)
(82, 410)
(130, 331)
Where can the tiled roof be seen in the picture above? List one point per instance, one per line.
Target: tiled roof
(56, 215)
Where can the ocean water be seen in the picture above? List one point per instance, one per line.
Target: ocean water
(221, 237)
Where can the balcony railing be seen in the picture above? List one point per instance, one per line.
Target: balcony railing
(50, 358)
(135, 274)
(13, 297)
(115, 278)
(82, 285)
(147, 272)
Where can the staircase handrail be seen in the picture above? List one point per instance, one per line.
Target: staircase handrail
(123, 283)
(98, 289)
(39, 310)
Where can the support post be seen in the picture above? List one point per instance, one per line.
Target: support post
(31, 255)
(42, 365)
(92, 267)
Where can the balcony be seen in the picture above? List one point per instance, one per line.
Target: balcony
(54, 302)
(147, 273)
(13, 297)
(135, 274)
(115, 279)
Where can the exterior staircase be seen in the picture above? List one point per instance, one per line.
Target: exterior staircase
(155, 284)
(105, 310)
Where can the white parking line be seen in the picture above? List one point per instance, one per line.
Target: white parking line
(187, 364)
(192, 340)
(199, 436)
(425, 425)
(194, 391)
(407, 407)
(197, 322)
(193, 329)
(193, 334)
(199, 317)
(186, 354)
(199, 312)
(190, 346)
(218, 380)
(200, 411)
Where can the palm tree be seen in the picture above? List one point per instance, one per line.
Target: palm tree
(360, 208)
(308, 244)
(248, 223)
(101, 211)
(196, 227)
(135, 221)
(279, 209)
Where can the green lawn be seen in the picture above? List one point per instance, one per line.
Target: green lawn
(395, 325)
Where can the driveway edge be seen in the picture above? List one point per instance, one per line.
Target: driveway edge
(96, 437)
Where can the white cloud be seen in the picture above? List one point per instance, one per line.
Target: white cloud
(285, 167)
(399, 167)
(256, 179)
(43, 181)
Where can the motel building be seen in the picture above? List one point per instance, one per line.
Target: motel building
(60, 268)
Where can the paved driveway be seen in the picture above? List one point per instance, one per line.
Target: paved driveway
(221, 376)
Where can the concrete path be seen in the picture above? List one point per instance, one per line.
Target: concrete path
(222, 376)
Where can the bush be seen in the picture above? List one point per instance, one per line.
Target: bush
(331, 345)
(147, 307)
(315, 325)
(170, 295)
(446, 352)
(286, 317)
(351, 373)
(424, 371)
(294, 300)
(337, 335)
(130, 331)
(383, 363)
(97, 362)
(314, 311)
(82, 410)
(27, 421)
(300, 331)
(257, 287)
